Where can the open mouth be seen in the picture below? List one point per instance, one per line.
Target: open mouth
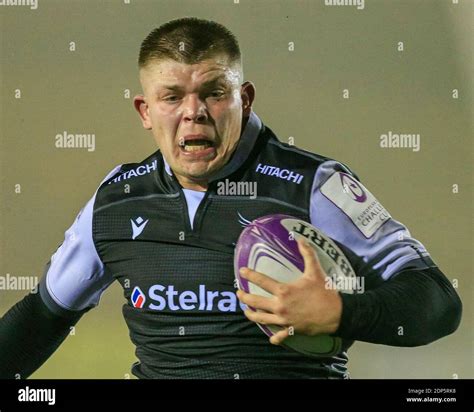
(197, 145)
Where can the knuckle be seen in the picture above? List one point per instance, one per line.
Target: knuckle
(282, 290)
(281, 310)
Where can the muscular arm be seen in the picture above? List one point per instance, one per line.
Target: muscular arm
(29, 334)
(415, 307)
(407, 301)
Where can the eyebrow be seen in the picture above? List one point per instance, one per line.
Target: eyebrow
(211, 82)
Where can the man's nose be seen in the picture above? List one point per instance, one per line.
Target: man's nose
(195, 109)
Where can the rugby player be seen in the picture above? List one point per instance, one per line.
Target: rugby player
(164, 231)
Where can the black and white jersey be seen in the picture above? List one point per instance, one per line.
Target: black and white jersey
(172, 251)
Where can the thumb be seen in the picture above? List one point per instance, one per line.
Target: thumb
(312, 267)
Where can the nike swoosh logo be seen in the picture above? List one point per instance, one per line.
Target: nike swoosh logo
(137, 226)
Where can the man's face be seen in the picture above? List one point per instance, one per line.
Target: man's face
(195, 113)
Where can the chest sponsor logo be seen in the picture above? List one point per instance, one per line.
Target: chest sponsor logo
(280, 173)
(138, 171)
(161, 298)
(138, 298)
(356, 202)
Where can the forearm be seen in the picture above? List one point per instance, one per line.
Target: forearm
(414, 308)
(29, 334)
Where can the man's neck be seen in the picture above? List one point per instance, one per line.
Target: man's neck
(199, 186)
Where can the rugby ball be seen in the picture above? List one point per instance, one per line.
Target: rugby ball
(268, 245)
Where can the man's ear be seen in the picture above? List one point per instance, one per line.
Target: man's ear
(247, 93)
(141, 107)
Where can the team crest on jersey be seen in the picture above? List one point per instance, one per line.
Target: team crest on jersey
(138, 298)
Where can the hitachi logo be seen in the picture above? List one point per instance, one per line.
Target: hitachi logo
(139, 171)
(280, 173)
